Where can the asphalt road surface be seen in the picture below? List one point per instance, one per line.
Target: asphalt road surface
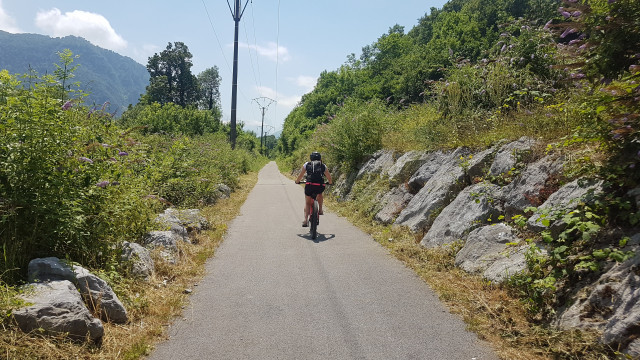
(273, 293)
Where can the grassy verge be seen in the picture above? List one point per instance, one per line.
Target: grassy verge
(492, 311)
(151, 306)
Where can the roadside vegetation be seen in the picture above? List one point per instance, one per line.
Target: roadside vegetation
(472, 74)
(76, 182)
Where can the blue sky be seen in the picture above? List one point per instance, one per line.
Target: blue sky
(284, 45)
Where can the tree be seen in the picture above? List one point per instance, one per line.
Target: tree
(209, 81)
(171, 77)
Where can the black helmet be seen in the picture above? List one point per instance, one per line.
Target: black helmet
(315, 156)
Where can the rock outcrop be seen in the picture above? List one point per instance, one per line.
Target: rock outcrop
(57, 308)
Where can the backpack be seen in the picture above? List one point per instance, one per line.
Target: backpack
(315, 171)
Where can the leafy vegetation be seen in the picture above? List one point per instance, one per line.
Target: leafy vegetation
(75, 182)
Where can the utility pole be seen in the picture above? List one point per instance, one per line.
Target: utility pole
(263, 103)
(237, 15)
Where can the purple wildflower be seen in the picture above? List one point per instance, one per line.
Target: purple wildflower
(504, 34)
(573, 42)
(566, 14)
(106, 146)
(67, 105)
(612, 1)
(123, 153)
(576, 13)
(548, 24)
(102, 184)
(634, 69)
(572, 1)
(504, 47)
(85, 159)
(115, 183)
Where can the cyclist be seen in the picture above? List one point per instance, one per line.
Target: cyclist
(315, 171)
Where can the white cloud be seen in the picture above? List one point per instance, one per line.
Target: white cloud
(7, 23)
(288, 102)
(91, 26)
(306, 82)
(272, 51)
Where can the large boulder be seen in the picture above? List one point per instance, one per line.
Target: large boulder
(99, 296)
(139, 259)
(49, 269)
(441, 188)
(491, 251)
(518, 194)
(405, 166)
(507, 157)
(428, 169)
(166, 242)
(57, 308)
(611, 305)
(567, 198)
(379, 163)
(183, 221)
(392, 203)
(472, 208)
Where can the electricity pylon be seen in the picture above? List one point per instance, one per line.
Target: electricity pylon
(263, 103)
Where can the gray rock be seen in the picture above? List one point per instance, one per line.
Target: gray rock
(405, 166)
(486, 251)
(512, 260)
(428, 169)
(99, 296)
(343, 186)
(528, 184)
(470, 209)
(189, 219)
(57, 308)
(507, 157)
(166, 241)
(437, 192)
(611, 305)
(224, 191)
(49, 269)
(565, 199)
(379, 163)
(478, 165)
(633, 349)
(393, 202)
(139, 258)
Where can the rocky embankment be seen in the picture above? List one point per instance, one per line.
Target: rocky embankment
(63, 298)
(473, 197)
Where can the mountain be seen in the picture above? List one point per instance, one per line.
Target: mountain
(104, 74)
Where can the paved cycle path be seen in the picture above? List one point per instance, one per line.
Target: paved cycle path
(273, 293)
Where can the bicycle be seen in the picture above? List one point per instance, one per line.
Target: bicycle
(314, 213)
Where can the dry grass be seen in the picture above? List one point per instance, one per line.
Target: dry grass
(491, 311)
(151, 306)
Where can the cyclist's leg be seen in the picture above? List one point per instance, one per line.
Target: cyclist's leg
(308, 203)
(319, 197)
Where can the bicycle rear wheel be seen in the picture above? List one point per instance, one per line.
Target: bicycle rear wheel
(314, 220)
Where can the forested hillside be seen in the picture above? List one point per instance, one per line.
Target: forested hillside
(477, 71)
(105, 75)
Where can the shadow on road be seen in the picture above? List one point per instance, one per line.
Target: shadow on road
(320, 238)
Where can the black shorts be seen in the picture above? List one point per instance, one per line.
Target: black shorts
(309, 189)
